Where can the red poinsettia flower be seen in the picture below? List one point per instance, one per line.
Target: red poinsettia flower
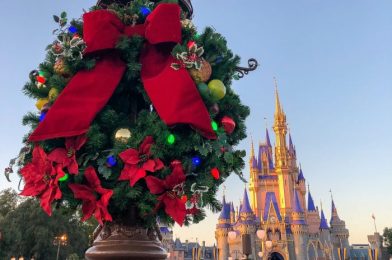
(95, 198)
(41, 179)
(67, 156)
(171, 192)
(137, 162)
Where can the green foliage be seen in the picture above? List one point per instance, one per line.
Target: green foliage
(27, 231)
(388, 239)
(130, 107)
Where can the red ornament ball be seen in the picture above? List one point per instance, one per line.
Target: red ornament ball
(215, 173)
(228, 124)
(184, 198)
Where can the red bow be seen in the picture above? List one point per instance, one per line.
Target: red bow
(41, 179)
(67, 156)
(171, 190)
(138, 162)
(88, 194)
(173, 93)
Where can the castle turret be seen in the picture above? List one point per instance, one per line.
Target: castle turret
(285, 181)
(339, 233)
(292, 154)
(246, 224)
(325, 237)
(299, 229)
(253, 182)
(232, 213)
(222, 229)
(301, 187)
(313, 217)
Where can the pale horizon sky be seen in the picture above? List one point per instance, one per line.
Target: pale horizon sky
(333, 63)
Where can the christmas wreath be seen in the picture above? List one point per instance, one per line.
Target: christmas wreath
(135, 110)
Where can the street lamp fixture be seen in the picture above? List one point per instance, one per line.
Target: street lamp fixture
(60, 241)
(266, 245)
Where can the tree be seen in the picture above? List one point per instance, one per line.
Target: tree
(8, 201)
(27, 231)
(388, 239)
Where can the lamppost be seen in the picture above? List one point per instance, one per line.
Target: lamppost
(232, 235)
(60, 241)
(266, 245)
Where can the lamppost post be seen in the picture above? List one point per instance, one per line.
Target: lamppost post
(60, 241)
(266, 245)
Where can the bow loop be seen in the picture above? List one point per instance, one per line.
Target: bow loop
(163, 25)
(173, 93)
(101, 30)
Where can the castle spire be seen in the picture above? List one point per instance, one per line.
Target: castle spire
(280, 129)
(334, 213)
(278, 107)
(252, 157)
(311, 206)
(267, 138)
(225, 212)
(252, 148)
(297, 205)
(323, 222)
(245, 206)
(301, 176)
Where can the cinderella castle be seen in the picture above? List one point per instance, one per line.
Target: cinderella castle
(276, 221)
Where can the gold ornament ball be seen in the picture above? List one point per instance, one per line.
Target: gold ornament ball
(186, 23)
(60, 68)
(122, 135)
(41, 102)
(53, 94)
(203, 74)
(217, 89)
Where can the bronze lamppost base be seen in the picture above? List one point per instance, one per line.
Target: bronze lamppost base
(115, 241)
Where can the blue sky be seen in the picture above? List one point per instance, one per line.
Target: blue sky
(333, 63)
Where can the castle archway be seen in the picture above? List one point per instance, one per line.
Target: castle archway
(275, 256)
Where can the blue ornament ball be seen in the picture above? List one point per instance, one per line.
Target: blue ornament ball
(72, 29)
(145, 11)
(42, 116)
(196, 161)
(111, 161)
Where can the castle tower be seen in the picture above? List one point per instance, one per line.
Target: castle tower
(222, 229)
(313, 217)
(232, 213)
(339, 233)
(253, 182)
(301, 188)
(285, 180)
(325, 238)
(292, 154)
(299, 229)
(245, 226)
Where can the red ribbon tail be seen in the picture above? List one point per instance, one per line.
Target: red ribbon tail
(78, 104)
(173, 92)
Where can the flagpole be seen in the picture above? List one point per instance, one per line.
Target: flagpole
(374, 221)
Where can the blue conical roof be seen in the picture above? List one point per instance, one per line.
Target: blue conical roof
(225, 212)
(267, 138)
(301, 175)
(323, 222)
(311, 206)
(297, 205)
(245, 206)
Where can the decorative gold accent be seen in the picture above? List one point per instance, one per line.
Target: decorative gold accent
(123, 135)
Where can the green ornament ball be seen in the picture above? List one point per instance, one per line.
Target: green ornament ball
(217, 89)
(203, 89)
